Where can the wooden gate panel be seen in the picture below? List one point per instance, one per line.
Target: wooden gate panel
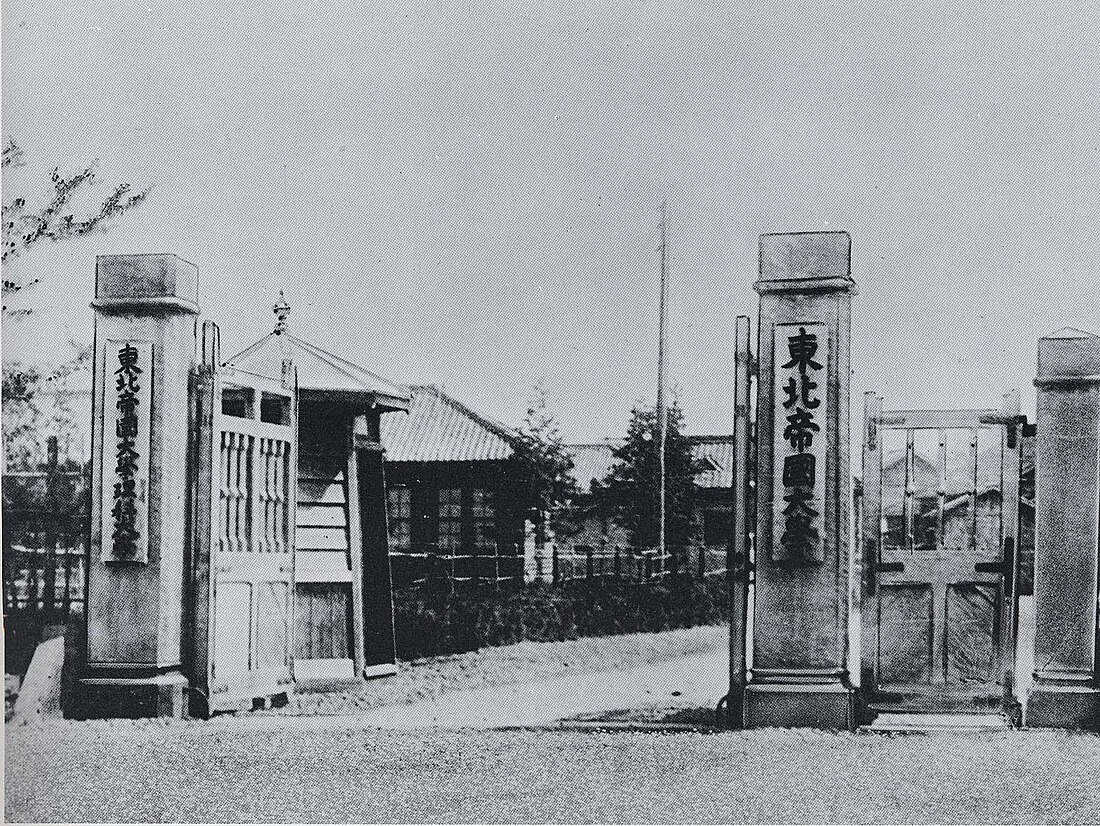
(242, 558)
(231, 633)
(971, 620)
(941, 497)
(905, 634)
(272, 621)
(254, 551)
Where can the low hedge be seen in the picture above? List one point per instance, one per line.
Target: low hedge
(433, 620)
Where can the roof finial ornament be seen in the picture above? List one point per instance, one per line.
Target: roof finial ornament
(282, 311)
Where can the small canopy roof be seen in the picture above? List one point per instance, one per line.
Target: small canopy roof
(319, 372)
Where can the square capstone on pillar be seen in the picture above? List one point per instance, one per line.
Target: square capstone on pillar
(146, 280)
(805, 261)
(1069, 353)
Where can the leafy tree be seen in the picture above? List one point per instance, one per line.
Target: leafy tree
(545, 463)
(630, 493)
(26, 226)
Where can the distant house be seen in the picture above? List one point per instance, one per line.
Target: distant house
(452, 493)
(603, 540)
(456, 512)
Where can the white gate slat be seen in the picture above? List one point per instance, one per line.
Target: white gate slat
(244, 552)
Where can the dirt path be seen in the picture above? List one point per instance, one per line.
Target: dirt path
(687, 682)
(531, 683)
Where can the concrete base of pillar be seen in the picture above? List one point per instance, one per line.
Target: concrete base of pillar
(161, 695)
(1062, 706)
(830, 706)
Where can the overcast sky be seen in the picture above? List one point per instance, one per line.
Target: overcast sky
(468, 196)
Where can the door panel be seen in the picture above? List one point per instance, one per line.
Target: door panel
(232, 640)
(972, 610)
(905, 633)
(272, 614)
(322, 621)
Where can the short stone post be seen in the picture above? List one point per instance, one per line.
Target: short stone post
(1066, 691)
(146, 309)
(800, 630)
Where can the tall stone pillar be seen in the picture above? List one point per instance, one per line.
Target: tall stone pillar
(1066, 691)
(146, 310)
(800, 625)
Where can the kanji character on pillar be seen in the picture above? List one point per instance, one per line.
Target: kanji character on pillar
(802, 348)
(800, 429)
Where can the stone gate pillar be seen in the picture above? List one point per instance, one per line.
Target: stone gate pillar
(1066, 691)
(800, 623)
(146, 309)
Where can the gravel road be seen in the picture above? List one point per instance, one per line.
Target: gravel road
(323, 769)
(390, 752)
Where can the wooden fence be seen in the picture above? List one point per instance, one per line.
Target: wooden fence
(422, 564)
(635, 564)
(427, 564)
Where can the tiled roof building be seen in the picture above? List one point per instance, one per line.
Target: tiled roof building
(440, 428)
(453, 493)
(593, 461)
(455, 496)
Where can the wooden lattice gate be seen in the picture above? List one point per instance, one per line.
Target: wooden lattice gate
(940, 527)
(242, 561)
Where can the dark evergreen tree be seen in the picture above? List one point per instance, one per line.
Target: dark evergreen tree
(630, 493)
(544, 463)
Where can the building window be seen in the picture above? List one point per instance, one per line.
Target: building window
(484, 521)
(450, 521)
(399, 511)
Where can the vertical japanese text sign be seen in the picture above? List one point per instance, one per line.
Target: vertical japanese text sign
(801, 370)
(127, 380)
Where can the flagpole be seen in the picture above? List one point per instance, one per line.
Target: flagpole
(662, 413)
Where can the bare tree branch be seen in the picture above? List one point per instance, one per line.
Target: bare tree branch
(23, 227)
(13, 154)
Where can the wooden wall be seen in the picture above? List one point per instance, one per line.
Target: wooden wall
(324, 608)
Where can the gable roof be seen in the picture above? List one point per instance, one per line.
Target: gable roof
(320, 372)
(715, 453)
(593, 461)
(439, 428)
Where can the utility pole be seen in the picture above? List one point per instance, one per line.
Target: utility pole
(662, 413)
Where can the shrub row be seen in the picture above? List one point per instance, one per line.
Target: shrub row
(433, 620)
